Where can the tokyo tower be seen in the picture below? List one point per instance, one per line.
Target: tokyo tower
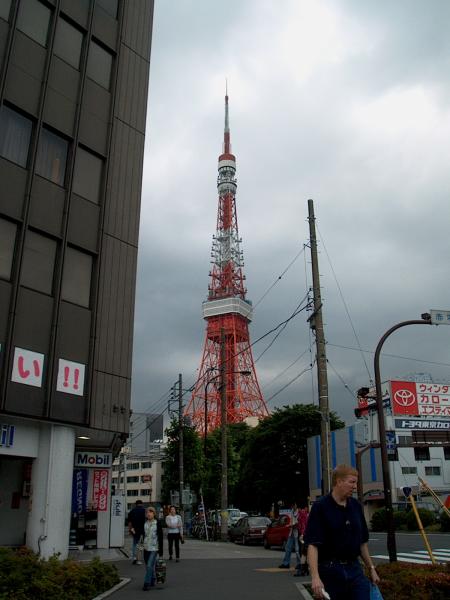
(227, 313)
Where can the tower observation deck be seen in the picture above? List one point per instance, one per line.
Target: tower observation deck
(227, 352)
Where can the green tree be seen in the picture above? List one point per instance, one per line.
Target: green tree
(237, 434)
(192, 460)
(274, 461)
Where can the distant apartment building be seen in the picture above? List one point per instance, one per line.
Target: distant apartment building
(137, 472)
(73, 100)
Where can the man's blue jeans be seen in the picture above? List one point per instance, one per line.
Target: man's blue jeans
(344, 581)
(150, 561)
(292, 543)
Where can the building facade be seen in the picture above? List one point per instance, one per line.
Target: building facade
(417, 417)
(73, 98)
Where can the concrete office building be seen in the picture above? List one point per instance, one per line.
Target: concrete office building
(73, 97)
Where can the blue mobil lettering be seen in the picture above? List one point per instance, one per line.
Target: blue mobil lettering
(79, 491)
(92, 460)
(7, 436)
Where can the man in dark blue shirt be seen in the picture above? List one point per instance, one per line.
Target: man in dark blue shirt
(336, 535)
(136, 520)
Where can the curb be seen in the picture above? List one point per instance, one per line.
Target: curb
(303, 592)
(122, 583)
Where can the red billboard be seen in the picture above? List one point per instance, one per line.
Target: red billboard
(100, 490)
(420, 398)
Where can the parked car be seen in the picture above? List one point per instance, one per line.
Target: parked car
(249, 529)
(277, 532)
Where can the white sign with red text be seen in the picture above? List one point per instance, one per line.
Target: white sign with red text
(70, 377)
(27, 367)
(420, 398)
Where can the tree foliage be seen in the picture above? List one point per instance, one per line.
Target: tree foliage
(274, 460)
(193, 466)
(266, 464)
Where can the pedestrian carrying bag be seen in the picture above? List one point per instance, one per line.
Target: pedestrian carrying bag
(375, 593)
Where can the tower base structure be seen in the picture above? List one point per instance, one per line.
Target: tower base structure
(243, 395)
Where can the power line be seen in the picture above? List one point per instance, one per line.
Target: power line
(345, 306)
(347, 387)
(289, 383)
(428, 362)
(300, 356)
(279, 277)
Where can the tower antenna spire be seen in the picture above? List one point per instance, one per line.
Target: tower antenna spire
(226, 133)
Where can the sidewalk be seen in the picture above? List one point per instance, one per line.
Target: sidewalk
(215, 570)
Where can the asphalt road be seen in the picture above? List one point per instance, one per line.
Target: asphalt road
(224, 571)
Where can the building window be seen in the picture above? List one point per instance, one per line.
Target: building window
(33, 20)
(447, 452)
(109, 6)
(99, 65)
(405, 440)
(133, 466)
(422, 453)
(68, 43)
(52, 156)
(133, 479)
(87, 175)
(146, 492)
(147, 465)
(5, 8)
(7, 242)
(15, 134)
(409, 470)
(132, 492)
(434, 471)
(38, 262)
(76, 284)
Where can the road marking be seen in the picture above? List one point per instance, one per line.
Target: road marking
(420, 557)
(276, 570)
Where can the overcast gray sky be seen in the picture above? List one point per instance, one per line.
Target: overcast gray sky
(342, 101)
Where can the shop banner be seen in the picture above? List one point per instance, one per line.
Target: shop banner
(100, 490)
(420, 398)
(79, 491)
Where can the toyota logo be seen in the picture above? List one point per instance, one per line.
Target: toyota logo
(404, 397)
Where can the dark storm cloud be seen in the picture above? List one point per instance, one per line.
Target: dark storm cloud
(343, 102)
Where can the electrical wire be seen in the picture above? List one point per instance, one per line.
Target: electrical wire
(347, 387)
(280, 276)
(281, 330)
(299, 357)
(385, 354)
(289, 383)
(345, 306)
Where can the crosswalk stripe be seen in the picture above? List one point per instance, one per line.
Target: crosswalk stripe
(419, 556)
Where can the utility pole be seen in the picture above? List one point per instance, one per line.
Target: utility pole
(181, 449)
(316, 325)
(224, 447)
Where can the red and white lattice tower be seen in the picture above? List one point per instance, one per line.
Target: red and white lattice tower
(227, 313)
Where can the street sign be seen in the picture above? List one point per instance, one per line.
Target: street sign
(407, 491)
(440, 317)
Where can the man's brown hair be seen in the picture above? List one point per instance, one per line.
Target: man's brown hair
(341, 472)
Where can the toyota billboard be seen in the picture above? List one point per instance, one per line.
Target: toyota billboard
(420, 398)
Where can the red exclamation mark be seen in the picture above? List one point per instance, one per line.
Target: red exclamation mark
(66, 377)
(76, 377)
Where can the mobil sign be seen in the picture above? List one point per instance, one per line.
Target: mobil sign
(420, 398)
(93, 459)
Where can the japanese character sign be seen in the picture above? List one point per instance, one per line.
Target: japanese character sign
(27, 367)
(420, 398)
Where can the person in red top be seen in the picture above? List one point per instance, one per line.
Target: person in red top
(299, 518)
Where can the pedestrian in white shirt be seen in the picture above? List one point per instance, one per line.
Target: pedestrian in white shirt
(174, 532)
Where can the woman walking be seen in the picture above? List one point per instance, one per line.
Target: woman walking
(175, 532)
(153, 545)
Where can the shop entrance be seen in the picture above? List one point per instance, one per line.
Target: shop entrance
(15, 477)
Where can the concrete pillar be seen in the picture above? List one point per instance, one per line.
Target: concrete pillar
(51, 492)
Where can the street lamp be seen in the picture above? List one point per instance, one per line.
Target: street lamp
(391, 545)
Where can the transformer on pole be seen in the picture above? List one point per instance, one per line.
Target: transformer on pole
(226, 310)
